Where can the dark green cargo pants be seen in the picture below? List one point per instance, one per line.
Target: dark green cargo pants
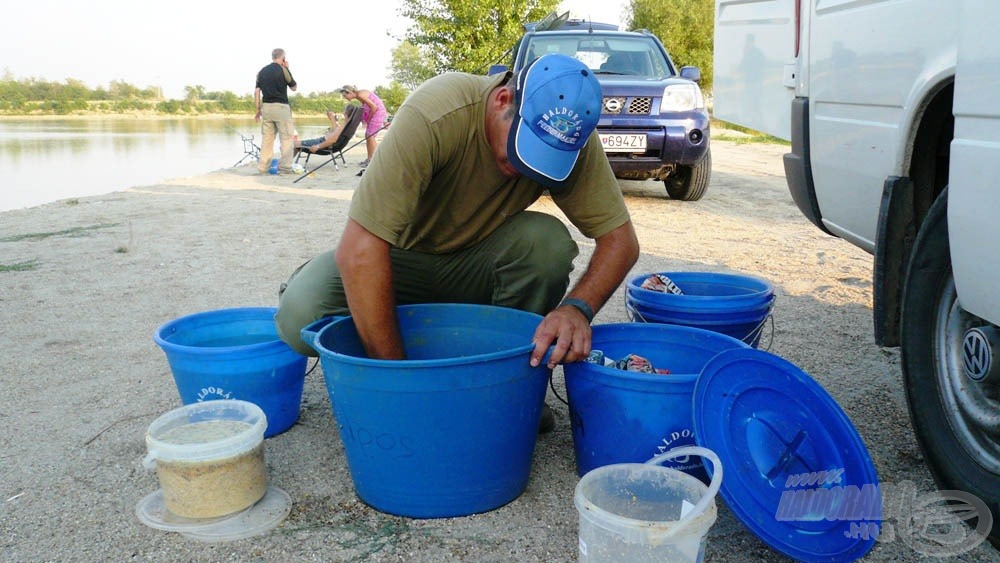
(525, 264)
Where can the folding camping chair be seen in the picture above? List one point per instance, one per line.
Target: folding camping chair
(352, 114)
(345, 149)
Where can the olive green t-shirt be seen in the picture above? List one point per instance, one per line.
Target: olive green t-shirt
(435, 187)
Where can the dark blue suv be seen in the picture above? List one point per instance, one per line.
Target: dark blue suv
(654, 124)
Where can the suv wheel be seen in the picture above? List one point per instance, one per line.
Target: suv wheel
(954, 416)
(688, 183)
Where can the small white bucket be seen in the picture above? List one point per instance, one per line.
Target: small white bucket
(646, 512)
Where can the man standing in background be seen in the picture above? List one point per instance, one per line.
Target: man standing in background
(273, 111)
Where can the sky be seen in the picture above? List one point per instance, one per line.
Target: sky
(218, 44)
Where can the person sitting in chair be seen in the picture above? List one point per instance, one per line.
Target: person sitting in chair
(332, 134)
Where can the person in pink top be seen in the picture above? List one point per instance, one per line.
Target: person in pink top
(373, 115)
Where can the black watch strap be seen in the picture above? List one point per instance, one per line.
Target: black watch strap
(581, 305)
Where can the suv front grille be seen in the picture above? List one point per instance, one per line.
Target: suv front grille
(620, 104)
(640, 106)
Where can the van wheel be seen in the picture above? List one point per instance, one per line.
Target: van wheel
(954, 416)
(688, 183)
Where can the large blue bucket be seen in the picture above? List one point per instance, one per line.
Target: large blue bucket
(619, 416)
(736, 305)
(451, 430)
(235, 354)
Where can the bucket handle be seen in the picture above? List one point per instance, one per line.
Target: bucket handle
(634, 314)
(759, 330)
(713, 487)
(311, 331)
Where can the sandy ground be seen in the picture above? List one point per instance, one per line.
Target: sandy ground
(82, 378)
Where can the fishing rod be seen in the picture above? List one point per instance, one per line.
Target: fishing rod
(552, 20)
(308, 172)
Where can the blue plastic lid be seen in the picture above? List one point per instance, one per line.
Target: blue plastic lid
(797, 472)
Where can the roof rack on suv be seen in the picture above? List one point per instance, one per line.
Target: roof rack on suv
(550, 21)
(590, 26)
(562, 21)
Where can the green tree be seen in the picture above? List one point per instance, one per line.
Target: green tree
(40, 89)
(317, 102)
(121, 90)
(231, 103)
(12, 95)
(194, 93)
(151, 93)
(392, 96)
(686, 28)
(409, 66)
(74, 90)
(469, 35)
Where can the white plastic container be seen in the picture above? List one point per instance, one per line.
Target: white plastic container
(209, 457)
(645, 512)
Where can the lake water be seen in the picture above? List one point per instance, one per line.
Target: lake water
(45, 160)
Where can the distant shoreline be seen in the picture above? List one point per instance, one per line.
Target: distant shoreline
(141, 115)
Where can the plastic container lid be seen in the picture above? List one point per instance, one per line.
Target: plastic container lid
(781, 436)
(152, 511)
(242, 437)
(258, 519)
(262, 517)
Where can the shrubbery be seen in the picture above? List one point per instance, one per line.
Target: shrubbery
(33, 97)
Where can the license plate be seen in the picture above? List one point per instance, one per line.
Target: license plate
(623, 143)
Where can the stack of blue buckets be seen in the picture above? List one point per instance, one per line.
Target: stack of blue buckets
(733, 304)
(620, 416)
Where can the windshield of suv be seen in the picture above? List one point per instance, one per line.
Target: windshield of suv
(605, 54)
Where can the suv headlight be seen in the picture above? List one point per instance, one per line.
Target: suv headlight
(682, 97)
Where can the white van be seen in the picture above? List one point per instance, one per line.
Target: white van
(893, 112)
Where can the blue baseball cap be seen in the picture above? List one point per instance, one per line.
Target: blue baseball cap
(559, 104)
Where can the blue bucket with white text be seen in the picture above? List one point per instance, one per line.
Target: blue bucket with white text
(235, 354)
(736, 305)
(449, 431)
(619, 416)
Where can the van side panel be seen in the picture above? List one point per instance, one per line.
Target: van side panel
(861, 52)
(754, 48)
(974, 176)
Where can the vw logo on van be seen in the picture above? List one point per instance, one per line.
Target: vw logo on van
(977, 353)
